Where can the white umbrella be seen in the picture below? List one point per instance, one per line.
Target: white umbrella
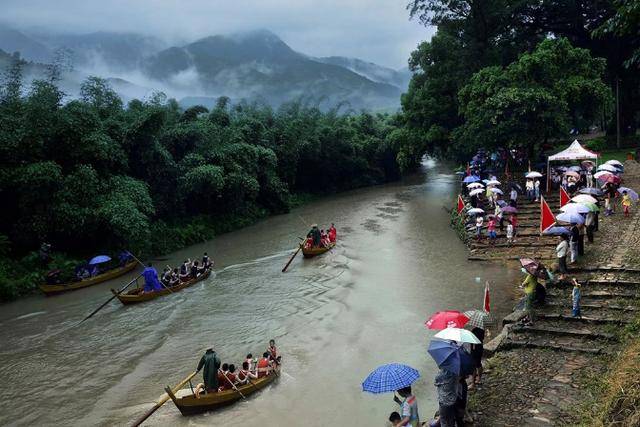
(475, 185)
(457, 334)
(475, 211)
(613, 162)
(476, 192)
(575, 208)
(575, 168)
(601, 173)
(606, 167)
(533, 175)
(584, 198)
(493, 182)
(497, 190)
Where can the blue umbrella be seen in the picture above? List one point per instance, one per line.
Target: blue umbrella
(99, 259)
(451, 357)
(592, 191)
(572, 218)
(557, 231)
(630, 192)
(471, 178)
(391, 377)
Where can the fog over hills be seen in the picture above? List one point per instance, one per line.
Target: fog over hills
(255, 65)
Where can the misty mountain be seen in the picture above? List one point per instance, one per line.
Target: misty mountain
(373, 72)
(15, 41)
(259, 65)
(255, 65)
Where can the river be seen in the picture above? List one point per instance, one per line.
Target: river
(335, 318)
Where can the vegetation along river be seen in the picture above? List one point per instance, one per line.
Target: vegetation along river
(335, 318)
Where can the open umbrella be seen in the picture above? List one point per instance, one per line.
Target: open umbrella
(451, 357)
(475, 211)
(516, 186)
(610, 179)
(99, 259)
(606, 167)
(575, 168)
(592, 191)
(571, 218)
(501, 203)
(584, 198)
(447, 319)
(474, 185)
(496, 190)
(573, 174)
(613, 162)
(471, 178)
(493, 182)
(533, 175)
(575, 208)
(630, 192)
(479, 319)
(476, 192)
(591, 206)
(509, 209)
(388, 378)
(534, 267)
(557, 231)
(587, 164)
(458, 335)
(601, 174)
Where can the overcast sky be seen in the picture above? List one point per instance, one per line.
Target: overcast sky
(374, 30)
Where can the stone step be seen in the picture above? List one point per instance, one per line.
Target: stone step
(538, 329)
(509, 343)
(586, 304)
(600, 294)
(583, 319)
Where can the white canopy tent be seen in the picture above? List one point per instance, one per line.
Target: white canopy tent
(574, 152)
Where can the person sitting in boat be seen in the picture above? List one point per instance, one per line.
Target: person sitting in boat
(229, 378)
(82, 272)
(124, 257)
(333, 233)
(175, 277)
(272, 351)
(315, 235)
(245, 374)
(211, 363)
(264, 365)
(324, 239)
(206, 261)
(221, 374)
(166, 276)
(308, 243)
(184, 270)
(151, 282)
(195, 270)
(250, 361)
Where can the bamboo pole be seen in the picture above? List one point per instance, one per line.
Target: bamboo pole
(163, 399)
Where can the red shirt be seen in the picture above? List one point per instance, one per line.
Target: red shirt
(262, 363)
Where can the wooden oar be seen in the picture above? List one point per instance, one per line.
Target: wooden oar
(109, 300)
(291, 259)
(144, 266)
(162, 401)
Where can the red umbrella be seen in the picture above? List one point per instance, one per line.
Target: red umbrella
(612, 179)
(533, 267)
(447, 319)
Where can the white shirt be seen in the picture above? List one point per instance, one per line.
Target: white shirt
(514, 194)
(479, 221)
(562, 248)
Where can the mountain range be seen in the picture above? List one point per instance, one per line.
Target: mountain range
(254, 65)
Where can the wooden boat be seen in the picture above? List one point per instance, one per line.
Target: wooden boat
(136, 296)
(188, 404)
(71, 286)
(311, 252)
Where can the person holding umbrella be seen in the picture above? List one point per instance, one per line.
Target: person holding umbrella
(561, 253)
(626, 203)
(395, 377)
(573, 243)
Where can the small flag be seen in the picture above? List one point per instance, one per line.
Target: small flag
(564, 197)
(547, 219)
(487, 301)
(460, 204)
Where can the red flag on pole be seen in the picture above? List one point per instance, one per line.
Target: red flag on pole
(547, 219)
(460, 204)
(487, 301)
(564, 197)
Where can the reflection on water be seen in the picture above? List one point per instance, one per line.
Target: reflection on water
(335, 318)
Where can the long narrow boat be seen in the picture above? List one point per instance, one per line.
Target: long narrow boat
(311, 252)
(136, 296)
(70, 286)
(188, 404)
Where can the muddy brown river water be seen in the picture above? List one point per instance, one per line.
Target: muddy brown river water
(335, 318)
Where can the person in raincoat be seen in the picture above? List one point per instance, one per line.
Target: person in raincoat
(315, 236)
(151, 282)
(211, 363)
(529, 285)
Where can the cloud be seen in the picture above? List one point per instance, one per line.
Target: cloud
(373, 30)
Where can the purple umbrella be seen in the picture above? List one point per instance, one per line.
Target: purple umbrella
(630, 192)
(471, 178)
(509, 209)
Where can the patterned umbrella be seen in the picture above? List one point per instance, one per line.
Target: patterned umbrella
(479, 319)
(391, 377)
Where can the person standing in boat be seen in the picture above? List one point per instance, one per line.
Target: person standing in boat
(151, 282)
(333, 233)
(206, 261)
(272, 350)
(211, 363)
(314, 233)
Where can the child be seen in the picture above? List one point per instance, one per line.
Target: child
(509, 233)
(491, 229)
(626, 203)
(575, 298)
(479, 222)
(395, 419)
(607, 206)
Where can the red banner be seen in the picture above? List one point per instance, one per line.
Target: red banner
(564, 197)
(460, 204)
(487, 301)
(547, 219)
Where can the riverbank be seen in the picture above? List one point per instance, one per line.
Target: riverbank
(564, 370)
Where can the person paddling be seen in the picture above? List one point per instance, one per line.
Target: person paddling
(333, 233)
(211, 363)
(151, 282)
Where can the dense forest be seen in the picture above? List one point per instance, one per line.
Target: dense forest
(513, 72)
(90, 175)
